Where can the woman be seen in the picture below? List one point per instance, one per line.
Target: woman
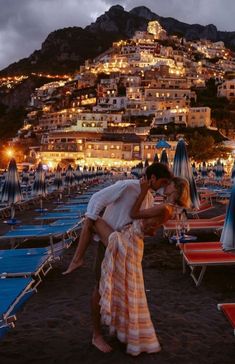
(123, 302)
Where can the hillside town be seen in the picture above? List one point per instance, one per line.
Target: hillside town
(118, 106)
(117, 184)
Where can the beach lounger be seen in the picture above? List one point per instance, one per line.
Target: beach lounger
(13, 293)
(50, 231)
(78, 208)
(32, 265)
(58, 215)
(204, 259)
(205, 246)
(202, 208)
(229, 310)
(174, 226)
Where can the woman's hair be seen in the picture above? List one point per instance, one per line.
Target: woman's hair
(182, 186)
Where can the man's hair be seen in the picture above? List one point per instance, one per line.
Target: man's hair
(159, 170)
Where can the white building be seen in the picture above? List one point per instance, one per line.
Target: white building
(199, 117)
(227, 89)
(110, 104)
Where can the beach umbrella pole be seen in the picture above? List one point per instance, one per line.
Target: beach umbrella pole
(12, 212)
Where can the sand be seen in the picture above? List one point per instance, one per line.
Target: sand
(54, 326)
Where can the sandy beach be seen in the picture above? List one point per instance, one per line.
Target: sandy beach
(54, 326)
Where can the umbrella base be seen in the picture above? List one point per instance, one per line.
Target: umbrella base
(41, 210)
(182, 238)
(12, 222)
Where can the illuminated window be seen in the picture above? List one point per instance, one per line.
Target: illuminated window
(105, 147)
(136, 148)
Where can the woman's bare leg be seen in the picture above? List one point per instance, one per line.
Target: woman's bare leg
(103, 229)
(84, 240)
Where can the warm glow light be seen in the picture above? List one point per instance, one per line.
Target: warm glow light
(10, 153)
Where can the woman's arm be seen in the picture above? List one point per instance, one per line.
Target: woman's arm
(154, 211)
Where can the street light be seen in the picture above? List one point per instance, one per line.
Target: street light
(9, 152)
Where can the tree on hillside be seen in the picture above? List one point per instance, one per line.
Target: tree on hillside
(202, 148)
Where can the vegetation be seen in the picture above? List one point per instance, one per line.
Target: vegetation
(203, 143)
(202, 148)
(222, 111)
(11, 121)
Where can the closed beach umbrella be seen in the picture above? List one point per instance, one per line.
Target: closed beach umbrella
(233, 173)
(228, 234)
(69, 177)
(194, 170)
(58, 183)
(146, 163)
(204, 170)
(155, 159)
(39, 185)
(219, 171)
(78, 175)
(164, 158)
(11, 191)
(182, 168)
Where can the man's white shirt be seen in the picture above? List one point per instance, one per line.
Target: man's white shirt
(117, 200)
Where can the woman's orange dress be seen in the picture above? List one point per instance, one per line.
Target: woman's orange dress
(123, 302)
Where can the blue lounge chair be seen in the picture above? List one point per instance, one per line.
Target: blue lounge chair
(58, 215)
(36, 265)
(47, 231)
(13, 292)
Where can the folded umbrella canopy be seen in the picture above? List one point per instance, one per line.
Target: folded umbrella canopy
(219, 170)
(228, 234)
(78, 175)
(194, 170)
(155, 159)
(11, 191)
(204, 170)
(69, 178)
(39, 185)
(58, 183)
(164, 157)
(233, 173)
(182, 168)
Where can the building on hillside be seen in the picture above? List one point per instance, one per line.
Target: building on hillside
(227, 89)
(175, 116)
(199, 117)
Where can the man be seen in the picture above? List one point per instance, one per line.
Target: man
(117, 200)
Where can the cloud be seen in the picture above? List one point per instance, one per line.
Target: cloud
(24, 24)
(218, 12)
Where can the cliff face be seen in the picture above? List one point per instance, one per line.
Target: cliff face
(65, 49)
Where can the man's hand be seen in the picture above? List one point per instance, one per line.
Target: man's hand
(144, 186)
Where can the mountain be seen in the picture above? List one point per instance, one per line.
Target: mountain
(64, 50)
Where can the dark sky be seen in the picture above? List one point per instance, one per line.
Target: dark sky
(24, 24)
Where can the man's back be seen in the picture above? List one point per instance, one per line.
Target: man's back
(117, 200)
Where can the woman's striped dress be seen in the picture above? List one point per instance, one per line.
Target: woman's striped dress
(123, 301)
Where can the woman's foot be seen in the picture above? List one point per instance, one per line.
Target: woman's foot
(101, 344)
(73, 266)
